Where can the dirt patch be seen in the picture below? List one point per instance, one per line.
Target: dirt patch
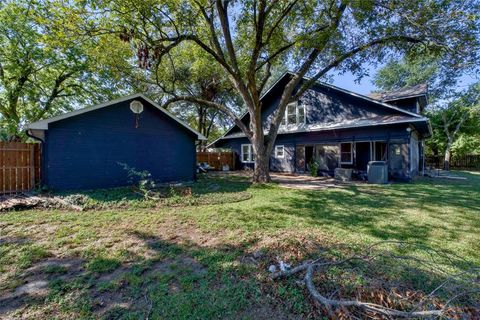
(35, 281)
(265, 311)
(14, 240)
(305, 182)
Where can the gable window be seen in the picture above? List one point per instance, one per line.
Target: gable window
(346, 153)
(294, 114)
(279, 152)
(247, 153)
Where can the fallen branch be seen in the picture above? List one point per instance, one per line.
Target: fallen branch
(364, 305)
(310, 267)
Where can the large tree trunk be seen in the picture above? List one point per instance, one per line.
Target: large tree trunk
(448, 155)
(261, 173)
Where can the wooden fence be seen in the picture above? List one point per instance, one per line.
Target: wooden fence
(467, 162)
(19, 166)
(217, 159)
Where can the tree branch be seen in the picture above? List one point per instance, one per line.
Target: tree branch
(225, 24)
(348, 55)
(225, 110)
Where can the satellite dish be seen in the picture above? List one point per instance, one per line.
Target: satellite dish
(136, 106)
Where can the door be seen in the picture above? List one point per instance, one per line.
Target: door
(398, 153)
(362, 155)
(300, 158)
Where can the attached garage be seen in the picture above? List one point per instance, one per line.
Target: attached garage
(94, 147)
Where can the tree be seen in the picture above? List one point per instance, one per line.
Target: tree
(179, 74)
(452, 113)
(449, 118)
(248, 39)
(45, 66)
(440, 74)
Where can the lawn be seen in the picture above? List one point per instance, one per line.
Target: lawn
(206, 254)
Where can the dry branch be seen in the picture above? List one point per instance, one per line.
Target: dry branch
(322, 265)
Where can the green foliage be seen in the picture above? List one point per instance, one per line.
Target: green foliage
(313, 166)
(448, 107)
(140, 178)
(48, 64)
(466, 144)
(454, 119)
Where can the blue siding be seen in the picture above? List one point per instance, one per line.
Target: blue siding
(84, 151)
(324, 105)
(392, 133)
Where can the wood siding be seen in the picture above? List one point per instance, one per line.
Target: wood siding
(88, 151)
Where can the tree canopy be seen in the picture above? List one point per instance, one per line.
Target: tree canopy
(453, 112)
(46, 65)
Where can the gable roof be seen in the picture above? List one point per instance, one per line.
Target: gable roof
(363, 97)
(43, 124)
(356, 123)
(401, 93)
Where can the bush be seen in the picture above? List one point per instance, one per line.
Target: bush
(313, 166)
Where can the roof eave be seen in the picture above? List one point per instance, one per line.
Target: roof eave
(43, 124)
(339, 128)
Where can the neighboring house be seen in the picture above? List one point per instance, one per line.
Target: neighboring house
(88, 148)
(340, 128)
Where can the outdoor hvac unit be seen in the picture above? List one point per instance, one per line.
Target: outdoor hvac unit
(377, 172)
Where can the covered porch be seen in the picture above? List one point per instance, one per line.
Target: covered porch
(402, 157)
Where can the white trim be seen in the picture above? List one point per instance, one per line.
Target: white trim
(406, 97)
(43, 124)
(283, 152)
(250, 153)
(351, 153)
(312, 128)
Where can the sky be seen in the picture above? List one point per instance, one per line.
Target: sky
(347, 81)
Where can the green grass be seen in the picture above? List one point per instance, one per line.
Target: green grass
(188, 256)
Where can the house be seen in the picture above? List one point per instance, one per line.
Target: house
(340, 128)
(95, 147)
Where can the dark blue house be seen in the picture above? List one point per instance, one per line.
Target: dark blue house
(89, 148)
(339, 128)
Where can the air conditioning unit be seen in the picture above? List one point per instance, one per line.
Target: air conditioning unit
(377, 172)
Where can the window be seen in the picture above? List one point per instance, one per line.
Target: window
(294, 114)
(247, 153)
(279, 152)
(346, 153)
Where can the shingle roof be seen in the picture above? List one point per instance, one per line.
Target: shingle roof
(353, 123)
(402, 93)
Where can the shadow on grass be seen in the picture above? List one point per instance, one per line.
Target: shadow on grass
(184, 280)
(176, 281)
(209, 189)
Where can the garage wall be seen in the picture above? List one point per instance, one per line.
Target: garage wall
(86, 151)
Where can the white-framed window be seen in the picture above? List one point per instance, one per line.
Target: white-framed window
(247, 153)
(279, 152)
(346, 153)
(294, 114)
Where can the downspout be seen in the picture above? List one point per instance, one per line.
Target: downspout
(42, 143)
(423, 158)
(410, 153)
